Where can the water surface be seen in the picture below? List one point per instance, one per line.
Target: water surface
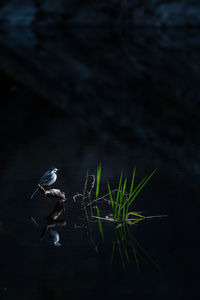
(70, 100)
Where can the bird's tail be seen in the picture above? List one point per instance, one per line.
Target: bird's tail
(34, 193)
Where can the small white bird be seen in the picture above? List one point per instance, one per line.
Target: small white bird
(54, 238)
(47, 179)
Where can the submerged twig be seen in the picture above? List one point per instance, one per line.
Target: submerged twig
(104, 198)
(92, 185)
(77, 195)
(128, 220)
(157, 216)
(85, 188)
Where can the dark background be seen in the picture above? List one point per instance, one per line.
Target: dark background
(151, 13)
(72, 97)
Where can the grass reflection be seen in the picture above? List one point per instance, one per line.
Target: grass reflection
(128, 248)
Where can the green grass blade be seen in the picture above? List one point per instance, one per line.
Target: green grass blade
(111, 198)
(145, 253)
(131, 191)
(121, 255)
(125, 210)
(124, 232)
(141, 187)
(100, 224)
(122, 199)
(136, 259)
(118, 192)
(134, 222)
(86, 215)
(130, 196)
(134, 251)
(98, 180)
(122, 236)
(137, 190)
(125, 251)
(124, 187)
(146, 256)
(136, 214)
(132, 181)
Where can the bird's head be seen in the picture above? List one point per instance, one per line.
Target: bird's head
(54, 170)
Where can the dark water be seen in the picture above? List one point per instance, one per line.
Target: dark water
(71, 99)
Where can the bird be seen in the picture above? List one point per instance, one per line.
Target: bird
(47, 179)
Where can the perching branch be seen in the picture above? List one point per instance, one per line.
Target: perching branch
(55, 193)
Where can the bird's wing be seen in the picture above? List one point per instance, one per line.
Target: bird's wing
(46, 177)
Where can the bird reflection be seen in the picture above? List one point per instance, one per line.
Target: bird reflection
(54, 238)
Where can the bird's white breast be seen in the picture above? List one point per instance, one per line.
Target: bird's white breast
(53, 179)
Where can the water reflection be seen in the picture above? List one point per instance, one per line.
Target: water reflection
(54, 238)
(128, 247)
